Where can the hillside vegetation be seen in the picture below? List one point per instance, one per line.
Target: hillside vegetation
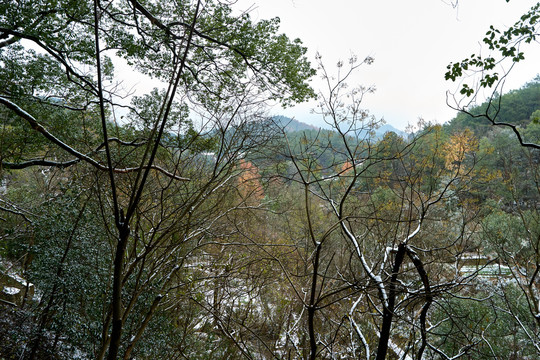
(185, 223)
(307, 237)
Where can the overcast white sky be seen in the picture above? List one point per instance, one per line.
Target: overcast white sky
(412, 43)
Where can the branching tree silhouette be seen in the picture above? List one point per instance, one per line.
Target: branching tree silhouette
(58, 79)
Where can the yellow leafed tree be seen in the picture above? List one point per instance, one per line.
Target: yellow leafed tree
(457, 148)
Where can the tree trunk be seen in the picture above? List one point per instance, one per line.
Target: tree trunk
(388, 312)
(116, 303)
(312, 307)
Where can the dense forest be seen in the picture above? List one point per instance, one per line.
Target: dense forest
(190, 224)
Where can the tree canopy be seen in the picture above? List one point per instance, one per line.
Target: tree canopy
(183, 222)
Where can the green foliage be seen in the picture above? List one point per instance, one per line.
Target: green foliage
(207, 274)
(515, 107)
(327, 149)
(146, 108)
(71, 271)
(514, 238)
(226, 47)
(480, 326)
(506, 45)
(535, 117)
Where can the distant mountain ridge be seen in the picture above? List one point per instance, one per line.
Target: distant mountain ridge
(292, 125)
(379, 133)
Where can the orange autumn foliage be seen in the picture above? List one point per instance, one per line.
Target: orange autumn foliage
(347, 166)
(249, 183)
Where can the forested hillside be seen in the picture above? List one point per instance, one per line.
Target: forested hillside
(516, 107)
(191, 225)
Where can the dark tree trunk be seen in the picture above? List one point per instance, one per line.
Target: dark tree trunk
(117, 313)
(312, 305)
(388, 312)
